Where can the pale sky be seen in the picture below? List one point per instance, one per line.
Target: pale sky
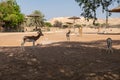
(56, 8)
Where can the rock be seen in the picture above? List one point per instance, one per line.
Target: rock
(98, 78)
(11, 54)
(116, 76)
(34, 59)
(29, 63)
(92, 74)
(62, 70)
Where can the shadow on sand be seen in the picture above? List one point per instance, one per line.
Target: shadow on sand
(60, 61)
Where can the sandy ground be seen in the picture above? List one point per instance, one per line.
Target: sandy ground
(54, 58)
(15, 39)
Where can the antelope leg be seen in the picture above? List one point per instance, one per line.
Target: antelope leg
(33, 43)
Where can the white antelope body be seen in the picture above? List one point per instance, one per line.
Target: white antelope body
(31, 39)
(109, 45)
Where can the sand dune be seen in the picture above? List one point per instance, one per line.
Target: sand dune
(111, 21)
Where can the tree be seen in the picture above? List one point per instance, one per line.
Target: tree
(57, 23)
(10, 14)
(89, 7)
(37, 19)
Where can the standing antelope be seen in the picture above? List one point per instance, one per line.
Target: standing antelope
(109, 45)
(68, 35)
(31, 38)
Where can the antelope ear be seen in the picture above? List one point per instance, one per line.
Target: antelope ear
(39, 30)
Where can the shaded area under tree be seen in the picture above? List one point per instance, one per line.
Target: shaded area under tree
(60, 61)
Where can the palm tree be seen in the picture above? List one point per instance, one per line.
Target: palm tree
(37, 19)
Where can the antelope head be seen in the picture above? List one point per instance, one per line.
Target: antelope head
(40, 32)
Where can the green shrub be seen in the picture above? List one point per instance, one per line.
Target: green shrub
(47, 24)
(65, 26)
(78, 25)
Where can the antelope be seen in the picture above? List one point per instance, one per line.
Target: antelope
(109, 45)
(68, 35)
(31, 38)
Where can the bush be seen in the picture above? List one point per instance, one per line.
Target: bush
(65, 26)
(97, 24)
(48, 24)
(78, 25)
(57, 24)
